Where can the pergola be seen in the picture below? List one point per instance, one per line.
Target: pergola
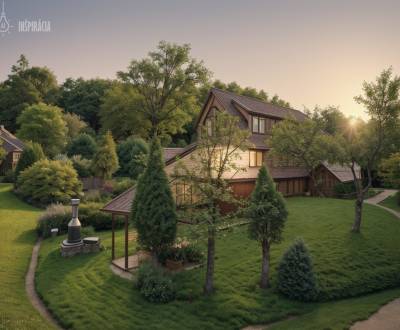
(120, 206)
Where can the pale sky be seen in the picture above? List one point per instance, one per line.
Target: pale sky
(309, 52)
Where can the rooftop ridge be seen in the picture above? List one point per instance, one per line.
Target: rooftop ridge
(256, 99)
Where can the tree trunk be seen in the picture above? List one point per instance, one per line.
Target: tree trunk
(264, 282)
(209, 285)
(358, 213)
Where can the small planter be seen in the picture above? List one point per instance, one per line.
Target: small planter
(173, 264)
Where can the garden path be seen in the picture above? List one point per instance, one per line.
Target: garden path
(388, 317)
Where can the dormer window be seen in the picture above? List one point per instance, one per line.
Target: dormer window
(258, 125)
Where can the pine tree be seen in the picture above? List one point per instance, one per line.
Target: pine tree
(105, 161)
(31, 154)
(153, 210)
(267, 213)
(296, 278)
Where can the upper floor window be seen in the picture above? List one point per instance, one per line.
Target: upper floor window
(262, 125)
(256, 158)
(258, 125)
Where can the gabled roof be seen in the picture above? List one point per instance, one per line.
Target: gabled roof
(121, 204)
(342, 173)
(10, 142)
(254, 106)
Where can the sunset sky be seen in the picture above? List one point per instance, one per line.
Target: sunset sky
(309, 52)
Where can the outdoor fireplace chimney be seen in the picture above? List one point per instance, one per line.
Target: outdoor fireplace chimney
(74, 226)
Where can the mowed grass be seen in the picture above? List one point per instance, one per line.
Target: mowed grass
(391, 202)
(17, 237)
(84, 294)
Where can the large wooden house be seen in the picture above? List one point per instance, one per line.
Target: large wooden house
(259, 117)
(13, 147)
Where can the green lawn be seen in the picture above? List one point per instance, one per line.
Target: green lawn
(17, 223)
(391, 203)
(84, 294)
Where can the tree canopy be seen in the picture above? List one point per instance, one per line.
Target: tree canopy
(43, 124)
(119, 113)
(25, 86)
(166, 82)
(83, 145)
(84, 98)
(132, 154)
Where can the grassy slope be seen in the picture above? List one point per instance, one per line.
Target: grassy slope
(346, 264)
(17, 223)
(391, 203)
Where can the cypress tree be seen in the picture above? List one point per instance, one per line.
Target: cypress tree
(296, 278)
(267, 213)
(105, 161)
(153, 209)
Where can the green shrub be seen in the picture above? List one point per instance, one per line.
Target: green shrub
(88, 231)
(83, 145)
(122, 185)
(82, 166)
(154, 284)
(186, 254)
(90, 215)
(49, 181)
(343, 189)
(58, 216)
(9, 176)
(31, 154)
(55, 216)
(296, 278)
(398, 198)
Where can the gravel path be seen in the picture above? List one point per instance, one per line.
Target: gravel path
(30, 287)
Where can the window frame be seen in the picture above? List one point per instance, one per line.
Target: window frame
(259, 158)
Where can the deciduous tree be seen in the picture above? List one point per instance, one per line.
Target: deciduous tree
(132, 156)
(43, 124)
(119, 113)
(305, 142)
(25, 86)
(213, 162)
(166, 82)
(84, 98)
(363, 144)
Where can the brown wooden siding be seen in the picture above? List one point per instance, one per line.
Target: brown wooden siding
(326, 181)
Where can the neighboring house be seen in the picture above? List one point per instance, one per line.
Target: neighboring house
(259, 117)
(13, 146)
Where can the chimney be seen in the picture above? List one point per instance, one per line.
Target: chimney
(74, 226)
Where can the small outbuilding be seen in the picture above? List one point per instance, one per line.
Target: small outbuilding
(13, 147)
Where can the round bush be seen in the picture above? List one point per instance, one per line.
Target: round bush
(49, 181)
(154, 284)
(296, 278)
